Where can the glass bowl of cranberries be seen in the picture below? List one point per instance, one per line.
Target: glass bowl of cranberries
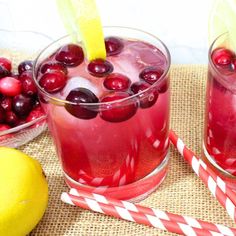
(21, 116)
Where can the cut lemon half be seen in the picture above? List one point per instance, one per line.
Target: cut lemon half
(222, 19)
(81, 18)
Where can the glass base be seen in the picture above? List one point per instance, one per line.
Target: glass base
(134, 192)
(227, 177)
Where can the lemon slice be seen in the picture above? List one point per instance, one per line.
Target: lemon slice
(82, 18)
(222, 19)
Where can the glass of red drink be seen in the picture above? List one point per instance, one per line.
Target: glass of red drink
(109, 119)
(219, 146)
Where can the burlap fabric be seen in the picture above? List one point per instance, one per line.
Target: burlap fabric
(182, 192)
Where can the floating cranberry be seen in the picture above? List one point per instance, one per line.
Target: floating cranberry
(70, 55)
(222, 57)
(10, 86)
(148, 98)
(53, 65)
(78, 96)
(151, 74)
(2, 115)
(163, 87)
(100, 67)
(116, 81)
(6, 103)
(25, 66)
(139, 86)
(11, 118)
(28, 85)
(233, 64)
(117, 111)
(113, 46)
(22, 105)
(3, 72)
(53, 81)
(6, 63)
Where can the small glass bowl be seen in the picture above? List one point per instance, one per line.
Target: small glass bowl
(22, 134)
(19, 46)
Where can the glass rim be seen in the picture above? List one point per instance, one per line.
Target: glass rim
(25, 32)
(62, 102)
(210, 53)
(23, 126)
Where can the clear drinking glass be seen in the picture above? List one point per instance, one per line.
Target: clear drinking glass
(219, 146)
(119, 147)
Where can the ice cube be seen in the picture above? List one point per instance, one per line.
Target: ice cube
(79, 82)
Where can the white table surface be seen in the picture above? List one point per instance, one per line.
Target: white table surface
(181, 24)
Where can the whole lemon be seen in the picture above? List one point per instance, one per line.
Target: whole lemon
(23, 192)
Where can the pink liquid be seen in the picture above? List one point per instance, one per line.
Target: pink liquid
(220, 119)
(99, 153)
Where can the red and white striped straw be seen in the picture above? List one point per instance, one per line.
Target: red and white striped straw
(156, 212)
(215, 184)
(178, 143)
(129, 211)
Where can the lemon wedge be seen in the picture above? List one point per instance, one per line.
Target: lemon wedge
(222, 19)
(82, 18)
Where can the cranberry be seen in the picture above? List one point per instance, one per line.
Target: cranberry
(10, 86)
(53, 65)
(3, 72)
(22, 105)
(116, 81)
(42, 99)
(233, 64)
(28, 85)
(6, 103)
(117, 111)
(78, 96)
(11, 118)
(35, 113)
(151, 74)
(70, 55)
(53, 81)
(25, 66)
(163, 87)
(36, 102)
(100, 67)
(14, 75)
(2, 115)
(113, 46)
(222, 57)
(21, 122)
(4, 62)
(4, 127)
(148, 98)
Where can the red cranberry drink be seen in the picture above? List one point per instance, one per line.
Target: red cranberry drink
(109, 119)
(220, 116)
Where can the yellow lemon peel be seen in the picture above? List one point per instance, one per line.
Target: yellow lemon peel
(81, 18)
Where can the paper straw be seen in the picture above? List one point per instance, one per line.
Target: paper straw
(214, 183)
(117, 179)
(186, 220)
(220, 182)
(138, 217)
